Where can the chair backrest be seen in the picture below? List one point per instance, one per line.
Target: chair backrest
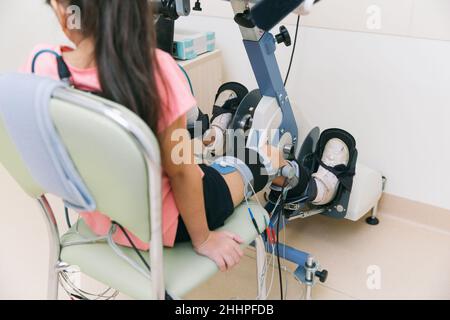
(13, 163)
(113, 151)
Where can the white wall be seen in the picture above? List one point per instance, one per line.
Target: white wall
(391, 91)
(410, 18)
(23, 24)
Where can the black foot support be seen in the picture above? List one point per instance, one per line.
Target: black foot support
(373, 221)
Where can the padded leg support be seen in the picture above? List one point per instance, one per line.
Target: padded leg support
(255, 169)
(228, 165)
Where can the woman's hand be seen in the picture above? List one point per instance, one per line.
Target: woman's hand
(223, 248)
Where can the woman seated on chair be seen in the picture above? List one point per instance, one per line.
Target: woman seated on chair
(115, 56)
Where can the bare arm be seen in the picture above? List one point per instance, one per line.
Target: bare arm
(187, 185)
(186, 182)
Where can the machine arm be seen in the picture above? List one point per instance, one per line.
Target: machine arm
(167, 11)
(171, 8)
(266, 14)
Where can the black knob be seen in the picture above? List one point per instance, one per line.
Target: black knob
(244, 19)
(284, 36)
(197, 6)
(322, 275)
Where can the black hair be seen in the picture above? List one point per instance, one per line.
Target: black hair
(125, 52)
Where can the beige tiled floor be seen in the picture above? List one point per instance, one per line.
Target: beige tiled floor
(413, 260)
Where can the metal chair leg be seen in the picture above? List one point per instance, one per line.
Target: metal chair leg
(261, 268)
(54, 246)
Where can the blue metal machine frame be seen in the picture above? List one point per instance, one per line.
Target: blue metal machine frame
(268, 76)
(267, 72)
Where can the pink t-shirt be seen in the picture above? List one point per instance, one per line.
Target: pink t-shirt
(176, 100)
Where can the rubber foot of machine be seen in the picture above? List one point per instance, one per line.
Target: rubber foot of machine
(373, 221)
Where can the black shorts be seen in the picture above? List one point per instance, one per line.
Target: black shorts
(218, 203)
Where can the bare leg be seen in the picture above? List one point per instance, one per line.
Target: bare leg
(236, 184)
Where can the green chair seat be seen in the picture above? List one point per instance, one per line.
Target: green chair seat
(183, 268)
